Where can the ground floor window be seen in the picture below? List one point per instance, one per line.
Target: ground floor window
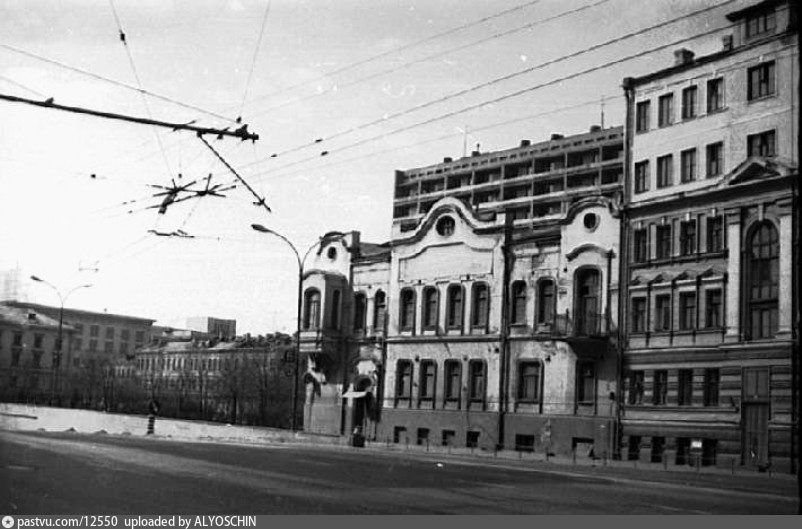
(524, 443)
(399, 434)
(423, 436)
(683, 456)
(471, 439)
(448, 437)
(709, 448)
(658, 448)
(633, 448)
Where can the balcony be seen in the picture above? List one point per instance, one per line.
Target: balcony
(591, 326)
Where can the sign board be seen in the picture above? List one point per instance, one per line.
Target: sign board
(696, 445)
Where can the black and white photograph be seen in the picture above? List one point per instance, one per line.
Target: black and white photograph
(397, 257)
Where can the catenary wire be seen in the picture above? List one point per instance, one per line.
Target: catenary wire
(255, 56)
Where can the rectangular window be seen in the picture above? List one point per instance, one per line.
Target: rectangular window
(471, 439)
(687, 237)
(427, 380)
(78, 344)
(688, 169)
(662, 313)
(640, 241)
(638, 315)
(713, 315)
(109, 333)
(79, 328)
(642, 111)
(660, 387)
(38, 340)
(761, 81)
(685, 387)
(689, 97)
(635, 388)
(448, 437)
(403, 380)
(586, 382)
(687, 311)
(633, 448)
(476, 388)
(108, 347)
(711, 384)
(709, 448)
(125, 334)
(123, 348)
(760, 24)
(658, 447)
(665, 171)
(663, 241)
(528, 381)
(453, 379)
(94, 330)
(715, 95)
(524, 443)
(92, 346)
(139, 337)
(17, 339)
(642, 176)
(423, 436)
(715, 234)
(683, 455)
(762, 144)
(399, 434)
(715, 161)
(665, 109)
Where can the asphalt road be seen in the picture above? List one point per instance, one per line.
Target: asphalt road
(97, 474)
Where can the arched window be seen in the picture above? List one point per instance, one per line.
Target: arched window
(518, 305)
(379, 311)
(407, 310)
(545, 301)
(430, 307)
(454, 309)
(762, 260)
(588, 297)
(360, 306)
(311, 309)
(481, 305)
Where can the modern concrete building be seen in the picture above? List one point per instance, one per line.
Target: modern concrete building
(220, 328)
(487, 319)
(711, 250)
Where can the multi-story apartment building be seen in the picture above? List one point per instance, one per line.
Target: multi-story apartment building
(486, 320)
(96, 334)
(28, 341)
(710, 249)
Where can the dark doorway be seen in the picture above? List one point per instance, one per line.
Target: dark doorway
(588, 301)
(756, 434)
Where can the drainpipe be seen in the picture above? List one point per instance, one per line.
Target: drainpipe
(623, 258)
(506, 250)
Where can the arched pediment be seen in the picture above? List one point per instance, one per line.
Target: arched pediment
(589, 247)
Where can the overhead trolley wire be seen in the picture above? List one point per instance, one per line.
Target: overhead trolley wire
(114, 82)
(398, 49)
(506, 78)
(436, 55)
(511, 95)
(255, 56)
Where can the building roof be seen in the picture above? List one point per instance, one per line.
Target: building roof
(68, 312)
(741, 13)
(22, 317)
(368, 249)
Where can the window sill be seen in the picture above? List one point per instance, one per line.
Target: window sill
(682, 258)
(689, 118)
(718, 110)
(761, 98)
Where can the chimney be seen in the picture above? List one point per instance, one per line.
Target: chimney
(475, 153)
(726, 42)
(31, 316)
(556, 137)
(682, 56)
(595, 128)
(525, 143)
(448, 159)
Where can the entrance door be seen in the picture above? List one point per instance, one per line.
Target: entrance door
(587, 310)
(756, 434)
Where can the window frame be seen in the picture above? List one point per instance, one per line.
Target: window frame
(638, 314)
(522, 393)
(582, 379)
(480, 305)
(635, 387)
(712, 386)
(662, 313)
(659, 387)
(427, 381)
(688, 165)
(642, 115)
(455, 307)
(689, 108)
(452, 381)
(714, 159)
(641, 176)
(761, 81)
(715, 95)
(665, 171)
(719, 316)
(473, 377)
(518, 300)
(665, 110)
(640, 245)
(431, 307)
(406, 309)
(403, 390)
(685, 387)
(312, 298)
(758, 269)
(546, 302)
(760, 24)
(715, 234)
(688, 237)
(663, 243)
(360, 311)
(766, 144)
(687, 310)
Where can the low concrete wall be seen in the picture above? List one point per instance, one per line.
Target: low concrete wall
(24, 417)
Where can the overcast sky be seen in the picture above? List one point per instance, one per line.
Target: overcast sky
(55, 218)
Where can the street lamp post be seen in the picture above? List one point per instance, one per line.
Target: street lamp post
(299, 294)
(59, 339)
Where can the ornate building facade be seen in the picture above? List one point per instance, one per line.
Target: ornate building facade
(710, 250)
(488, 320)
